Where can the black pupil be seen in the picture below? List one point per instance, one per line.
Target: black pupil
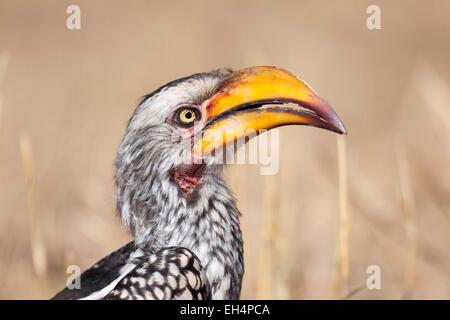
(188, 114)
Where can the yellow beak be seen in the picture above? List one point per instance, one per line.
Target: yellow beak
(258, 99)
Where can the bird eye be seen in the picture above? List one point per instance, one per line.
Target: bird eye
(187, 115)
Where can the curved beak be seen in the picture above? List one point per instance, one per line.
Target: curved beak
(258, 99)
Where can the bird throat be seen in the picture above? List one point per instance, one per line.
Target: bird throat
(188, 177)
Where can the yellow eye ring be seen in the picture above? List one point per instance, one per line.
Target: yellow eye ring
(187, 116)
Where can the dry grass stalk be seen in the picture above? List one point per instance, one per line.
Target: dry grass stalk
(409, 218)
(268, 254)
(38, 250)
(344, 220)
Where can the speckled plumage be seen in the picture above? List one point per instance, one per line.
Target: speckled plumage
(169, 226)
(170, 273)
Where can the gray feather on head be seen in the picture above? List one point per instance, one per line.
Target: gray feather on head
(151, 148)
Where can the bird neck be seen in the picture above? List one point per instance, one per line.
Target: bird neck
(205, 221)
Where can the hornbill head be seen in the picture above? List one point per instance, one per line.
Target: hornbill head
(162, 158)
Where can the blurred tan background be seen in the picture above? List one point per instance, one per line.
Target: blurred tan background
(65, 98)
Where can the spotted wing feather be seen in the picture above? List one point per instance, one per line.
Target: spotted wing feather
(171, 273)
(99, 275)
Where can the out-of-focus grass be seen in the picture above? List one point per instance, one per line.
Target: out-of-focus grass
(38, 250)
(73, 91)
(344, 220)
(409, 216)
(268, 251)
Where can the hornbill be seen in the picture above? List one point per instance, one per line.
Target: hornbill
(183, 218)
